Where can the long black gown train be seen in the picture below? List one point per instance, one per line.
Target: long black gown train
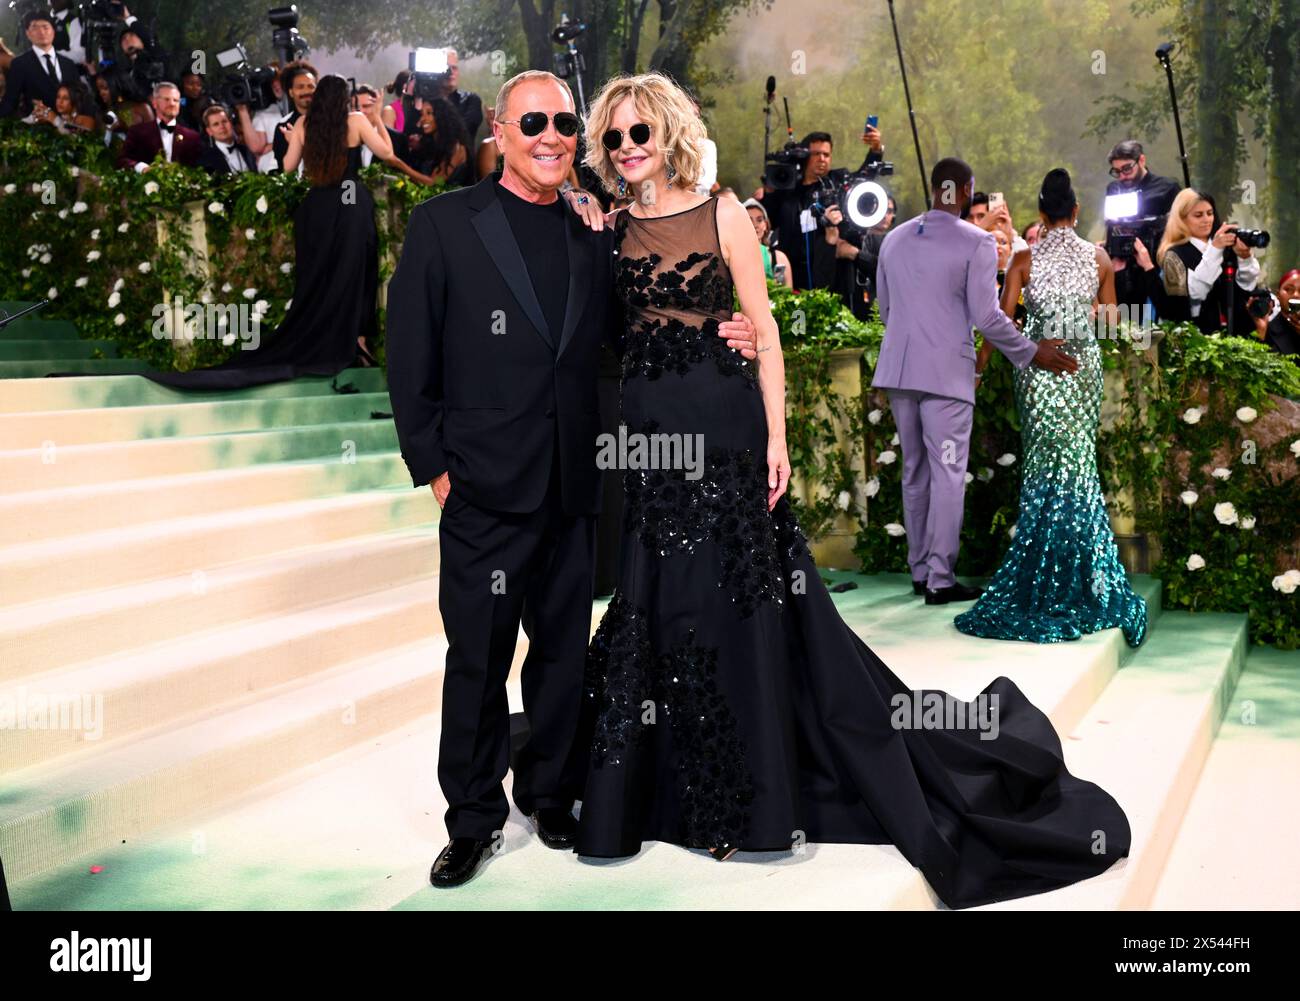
(336, 278)
(727, 701)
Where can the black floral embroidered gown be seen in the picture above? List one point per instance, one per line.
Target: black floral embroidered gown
(726, 701)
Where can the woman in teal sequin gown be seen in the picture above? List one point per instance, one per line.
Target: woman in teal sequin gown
(1062, 576)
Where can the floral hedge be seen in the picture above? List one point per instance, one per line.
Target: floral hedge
(103, 243)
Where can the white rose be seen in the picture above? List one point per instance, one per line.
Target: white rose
(288, 304)
(1193, 415)
(10, 189)
(261, 306)
(228, 339)
(844, 500)
(1220, 473)
(969, 476)
(250, 293)
(114, 299)
(1225, 513)
(260, 204)
(46, 258)
(1246, 414)
(119, 320)
(1195, 562)
(36, 188)
(81, 282)
(79, 207)
(1006, 459)
(124, 227)
(27, 272)
(226, 287)
(1188, 497)
(250, 233)
(874, 416)
(894, 440)
(1011, 532)
(53, 293)
(62, 213)
(286, 267)
(873, 487)
(1284, 584)
(895, 529)
(1248, 522)
(94, 234)
(887, 457)
(144, 267)
(216, 208)
(117, 285)
(75, 171)
(151, 187)
(1295, 448)
(985, 474)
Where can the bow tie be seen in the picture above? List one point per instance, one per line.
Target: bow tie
(169, 128)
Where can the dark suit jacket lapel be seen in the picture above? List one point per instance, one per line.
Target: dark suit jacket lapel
(489, 221)
(579, 240)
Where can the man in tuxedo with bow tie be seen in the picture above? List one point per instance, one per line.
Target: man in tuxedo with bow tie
(496, 314)
(36, 75)
(145, 140)
(224, 155)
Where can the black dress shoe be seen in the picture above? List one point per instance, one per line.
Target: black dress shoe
(957, 592)
(459, 861)
(918, 587)
(556, 826)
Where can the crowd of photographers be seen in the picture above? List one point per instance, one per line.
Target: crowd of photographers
(1174, 257)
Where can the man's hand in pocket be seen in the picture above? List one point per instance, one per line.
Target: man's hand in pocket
(441, 488)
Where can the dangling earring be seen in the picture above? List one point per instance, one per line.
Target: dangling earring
(671, 171)
(622, 187)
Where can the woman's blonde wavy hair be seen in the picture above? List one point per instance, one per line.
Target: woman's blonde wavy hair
(662, 105)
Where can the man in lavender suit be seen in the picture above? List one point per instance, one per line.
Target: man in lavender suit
(937, 278)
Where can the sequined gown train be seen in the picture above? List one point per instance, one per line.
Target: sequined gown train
(1062, 576)
(725, 699)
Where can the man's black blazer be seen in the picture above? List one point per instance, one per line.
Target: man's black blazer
(479, 384)
(27, 81)
(214, 161)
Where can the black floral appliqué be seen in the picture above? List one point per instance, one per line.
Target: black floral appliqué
(622, 673)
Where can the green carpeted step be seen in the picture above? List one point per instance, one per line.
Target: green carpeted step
(36, 369)
(80, 393)
(59, 349)
(33, 328)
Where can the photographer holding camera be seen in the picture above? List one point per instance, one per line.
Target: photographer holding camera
(1135, 282)
(808, 222)
(1192, 256)
(1277, 317)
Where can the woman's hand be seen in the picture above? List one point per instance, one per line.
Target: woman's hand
(778, 470)
(588, 207)
(1226, 236)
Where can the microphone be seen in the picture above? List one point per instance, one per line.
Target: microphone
(1162, 51)
(771, 88)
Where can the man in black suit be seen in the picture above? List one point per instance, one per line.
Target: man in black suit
(496, 314)
(35, 76)
(165, 135)
(299, 82)
(222, 155)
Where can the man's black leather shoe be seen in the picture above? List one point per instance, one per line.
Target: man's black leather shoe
(957, 592)
(918, 587)
(459, 861)
(556, 826)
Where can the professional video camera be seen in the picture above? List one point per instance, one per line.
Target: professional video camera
(783, 168)
(1126, 223)
(863, 200)
(431, 71)
(1257, 238)
(244, 83)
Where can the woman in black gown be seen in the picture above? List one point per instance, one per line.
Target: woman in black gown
(728, 704)
(336, 266)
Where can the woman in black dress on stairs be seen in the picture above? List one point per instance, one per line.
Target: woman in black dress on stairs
(336, 267)
(728, 706)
